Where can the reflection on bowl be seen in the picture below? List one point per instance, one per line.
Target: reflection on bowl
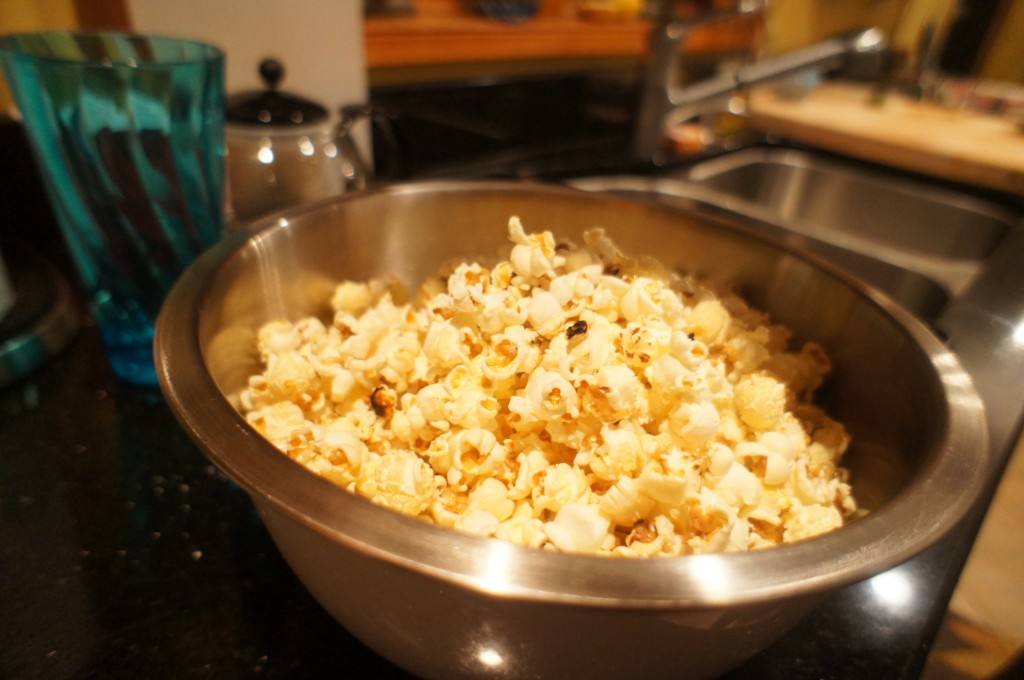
(445, 604)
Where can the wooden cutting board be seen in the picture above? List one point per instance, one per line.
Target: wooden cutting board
(965, 146)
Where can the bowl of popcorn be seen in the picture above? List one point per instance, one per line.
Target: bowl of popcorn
(502, 429)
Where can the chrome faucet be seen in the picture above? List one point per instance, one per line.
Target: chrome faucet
(664, 102)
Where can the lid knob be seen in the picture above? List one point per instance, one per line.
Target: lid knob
(271, 71)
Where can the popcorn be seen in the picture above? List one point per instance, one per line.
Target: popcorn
(548, 395)
(624, 503)
(399, 480)
(578, 527)
(559, 485)
(568, 399)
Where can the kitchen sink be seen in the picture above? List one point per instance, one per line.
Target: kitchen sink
(874, 211)
(920, 242)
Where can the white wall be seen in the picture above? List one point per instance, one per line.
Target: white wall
(320, 42)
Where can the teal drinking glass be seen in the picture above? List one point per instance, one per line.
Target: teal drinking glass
(128, 135)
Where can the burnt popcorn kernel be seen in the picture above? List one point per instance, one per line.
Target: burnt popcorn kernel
(382, 402)
(578, 328)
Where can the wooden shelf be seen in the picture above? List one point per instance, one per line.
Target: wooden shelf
(444, 32)
(432, 40)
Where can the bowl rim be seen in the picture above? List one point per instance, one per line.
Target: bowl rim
(929, 508)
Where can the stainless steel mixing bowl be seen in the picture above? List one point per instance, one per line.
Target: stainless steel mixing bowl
(443, 604)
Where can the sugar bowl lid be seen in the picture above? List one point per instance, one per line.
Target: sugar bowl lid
(272, 106)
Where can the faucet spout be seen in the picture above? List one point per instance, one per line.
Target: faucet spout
(665, 103)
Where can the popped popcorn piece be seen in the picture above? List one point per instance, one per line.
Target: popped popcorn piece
(760, 401)
(578, 528)
(570, 399)
(399, 480)
(559, 485)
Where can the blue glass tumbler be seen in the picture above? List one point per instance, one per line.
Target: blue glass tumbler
(128, 135)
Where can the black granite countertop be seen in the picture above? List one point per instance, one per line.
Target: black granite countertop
(126, 554)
